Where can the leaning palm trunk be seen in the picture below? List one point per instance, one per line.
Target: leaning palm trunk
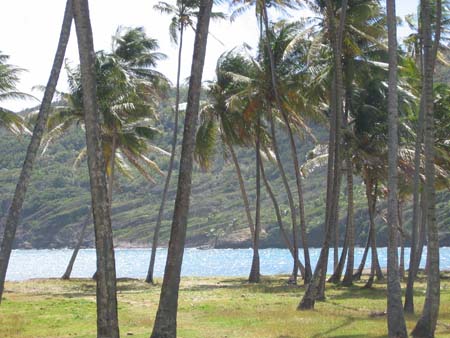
(151, 267)
(288, 193)
(362, 264)
(395, 316)
(280, 221)
(107, 319)
(166, 316)
(15, 209)
(243, 190)
(255, 269)
(426, 325)
(69, 268)
(348, 277)
(293, 147)
(316, 286)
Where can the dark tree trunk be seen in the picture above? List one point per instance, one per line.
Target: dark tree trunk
(69, 268)
(107, 320)
(293, 148)
(255, 269)
(288, 193)
(243, 190)
(348, 277)
(15, 209)
(401, 241)
(166, 317)
(395, 317)
(362, 264)
(426, 325)
(151, 267)
(336, 35)
(280, 222)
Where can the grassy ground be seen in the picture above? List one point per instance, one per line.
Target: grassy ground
(212, 308)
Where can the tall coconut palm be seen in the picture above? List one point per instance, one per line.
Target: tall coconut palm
(426, 325)
(184, 14)
(396, 320)
(166, 316)
(107, 319)
(27, 168)
(317, 286)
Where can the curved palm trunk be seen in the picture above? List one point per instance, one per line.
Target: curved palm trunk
(293, 147)
(288, 193)
(395, 316)
(242, 188)
(362, 264)
(69, 268)
(316, 288)
(255, 269)
(151, 267)
(348, 277)
(107, 319)
(426, 325)
(375, 265)
(15, 209)
(166, 317)
(280, 221)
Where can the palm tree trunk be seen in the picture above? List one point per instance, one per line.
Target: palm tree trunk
(151, 267)
(426, 325)
(293, 147)
(166, 317)
(107, 319)
(280, 221)
(317, 283)
(401, 241)
(362, 264)
(396, 319)
(69, 268)
(15, 209)
(348, 277)
(288, 192)
(243, 190)
(255, 269)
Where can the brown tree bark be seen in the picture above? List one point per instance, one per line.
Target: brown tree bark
(166, 317)
(395, 316)
(15, 209)
(255, 275)
(69, 268)
(426, 325)
(348, 277)
(107, 319)
(151, 267)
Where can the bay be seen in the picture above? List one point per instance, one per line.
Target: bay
(133, 263)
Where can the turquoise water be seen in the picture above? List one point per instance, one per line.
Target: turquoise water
(133, 263)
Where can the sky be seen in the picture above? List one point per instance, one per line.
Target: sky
(29, 32)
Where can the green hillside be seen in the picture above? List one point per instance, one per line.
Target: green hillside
(58, 198)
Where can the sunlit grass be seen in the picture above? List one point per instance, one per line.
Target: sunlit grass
(209, 307)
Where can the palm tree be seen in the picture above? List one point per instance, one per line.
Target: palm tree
(184, 14)
(20, 192)
(166, 316)
(107, 318)
(316, 289)
(9, 76)
(395, 318)
(426, 325)
(127, 108)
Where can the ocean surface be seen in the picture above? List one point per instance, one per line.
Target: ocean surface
(133, 263)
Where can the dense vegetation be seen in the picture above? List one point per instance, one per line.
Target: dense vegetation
(59, 196)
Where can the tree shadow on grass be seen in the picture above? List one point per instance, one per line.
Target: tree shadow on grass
(268, 285)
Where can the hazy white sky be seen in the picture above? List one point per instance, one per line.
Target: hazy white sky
(29, 32)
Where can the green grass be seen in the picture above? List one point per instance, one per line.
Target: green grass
(211, 308)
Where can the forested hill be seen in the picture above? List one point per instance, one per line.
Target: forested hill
(58, 198)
